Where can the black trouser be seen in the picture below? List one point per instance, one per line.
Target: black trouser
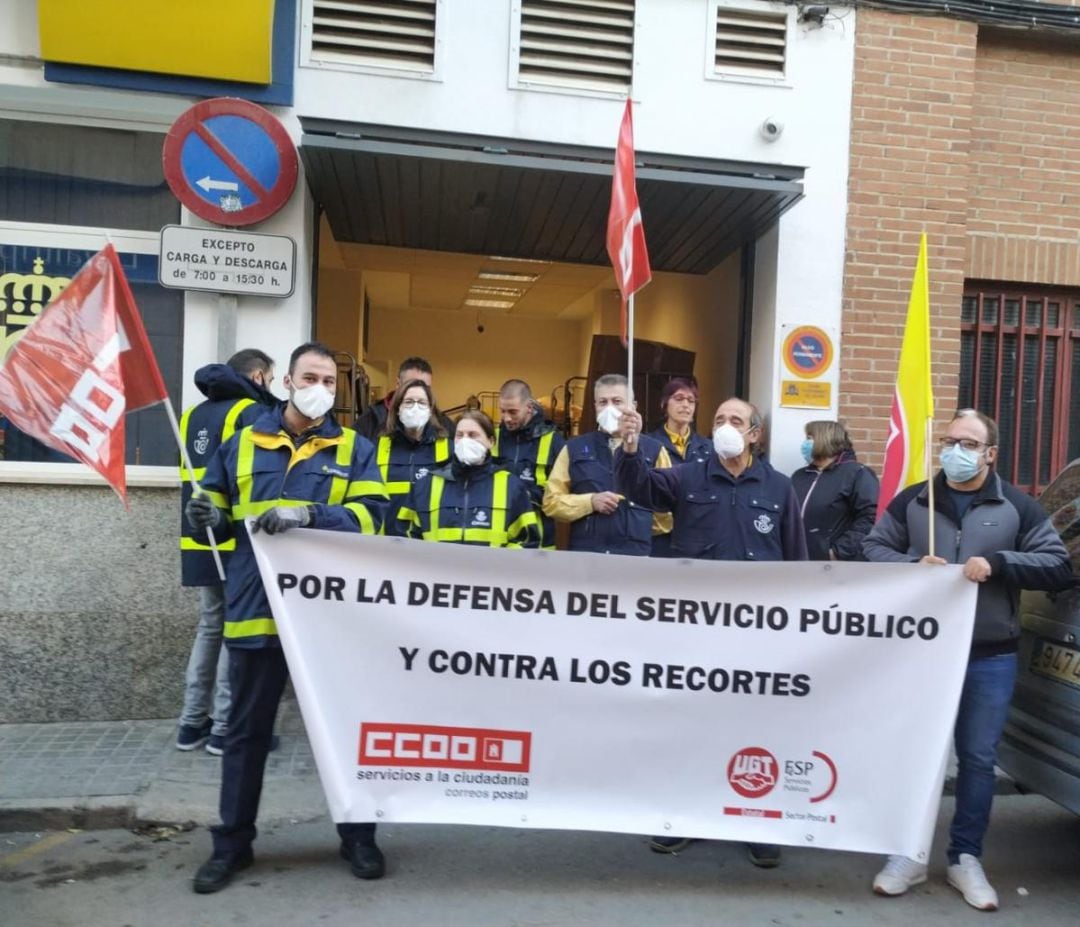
(257, 678)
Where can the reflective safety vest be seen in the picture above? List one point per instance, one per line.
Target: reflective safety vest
(203, 429)
(489, 508)
(330, 470)
(529, 453)
(401, 461)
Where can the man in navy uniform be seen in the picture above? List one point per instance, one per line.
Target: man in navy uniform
(295, 467)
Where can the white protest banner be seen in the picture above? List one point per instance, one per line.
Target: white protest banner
(792, 703)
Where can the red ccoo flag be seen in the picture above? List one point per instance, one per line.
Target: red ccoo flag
(625, 233)
(80, 367)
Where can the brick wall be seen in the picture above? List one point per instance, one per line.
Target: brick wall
(1024, 204)
(910, 157)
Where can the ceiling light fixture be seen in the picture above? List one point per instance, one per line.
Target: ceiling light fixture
(509, 291)
(508, 276)
(490, 303)
(517, 260)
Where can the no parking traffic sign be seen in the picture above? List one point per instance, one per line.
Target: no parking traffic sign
(230, 161)
(808, 352)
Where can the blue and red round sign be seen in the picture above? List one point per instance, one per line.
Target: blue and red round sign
(230, 161)
(808, 352)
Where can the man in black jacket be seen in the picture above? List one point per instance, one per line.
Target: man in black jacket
(372, 420)
(1006, 543)
(237, 392)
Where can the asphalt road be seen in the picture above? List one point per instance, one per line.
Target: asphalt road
(441, 875)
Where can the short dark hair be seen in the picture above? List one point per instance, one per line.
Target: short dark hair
(249, 361)
(414, 363)
(988, 423)
(310, 347)
(485, 423)
(687, 384)
(518, 389)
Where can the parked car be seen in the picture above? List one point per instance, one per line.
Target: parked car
(1040, 748)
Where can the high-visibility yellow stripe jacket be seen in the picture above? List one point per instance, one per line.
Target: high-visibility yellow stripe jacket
(470, 505)
(402, 461)
(232, 402)
(329, 469)
(528, 453)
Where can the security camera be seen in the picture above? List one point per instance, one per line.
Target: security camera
(771, 129)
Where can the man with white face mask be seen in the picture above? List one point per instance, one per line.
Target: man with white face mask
(294, 467)
(733, 506)
(1006, 543)
(581, 484)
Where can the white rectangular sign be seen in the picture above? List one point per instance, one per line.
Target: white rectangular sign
(806, 704)
(224, 261)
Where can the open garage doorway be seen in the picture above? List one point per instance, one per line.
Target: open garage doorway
(483, 319)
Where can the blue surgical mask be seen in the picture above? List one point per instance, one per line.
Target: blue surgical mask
(807, 450)
(960, 465)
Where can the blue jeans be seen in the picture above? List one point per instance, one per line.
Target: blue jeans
(206, 683)
(984, 705)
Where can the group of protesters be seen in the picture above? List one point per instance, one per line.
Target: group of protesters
(403, 468)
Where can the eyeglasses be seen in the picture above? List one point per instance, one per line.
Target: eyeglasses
(968, 444)
(414, 404)
(684, 397)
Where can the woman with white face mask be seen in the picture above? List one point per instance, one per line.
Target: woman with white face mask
(413, 443)
(837, 495)
(470, 501)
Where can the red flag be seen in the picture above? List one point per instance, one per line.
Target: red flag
(625, 233)
(80, 367)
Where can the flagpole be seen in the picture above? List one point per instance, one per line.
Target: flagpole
(194, 484)
(930, 480)
(630, 351)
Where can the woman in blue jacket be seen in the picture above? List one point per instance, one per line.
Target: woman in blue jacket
(469, 501)
(413, 443)
(678, 405)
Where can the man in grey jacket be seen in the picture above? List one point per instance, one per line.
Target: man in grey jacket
(1006, 543)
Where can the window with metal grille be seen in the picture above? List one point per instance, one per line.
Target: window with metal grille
(749, 42)
(1020, 364)
(380, 33)
(580, 44)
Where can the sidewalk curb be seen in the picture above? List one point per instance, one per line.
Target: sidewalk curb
(60, 814)
(129, 811)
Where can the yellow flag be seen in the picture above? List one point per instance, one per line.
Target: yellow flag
(913, 399)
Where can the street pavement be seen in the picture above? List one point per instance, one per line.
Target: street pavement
(104, 824)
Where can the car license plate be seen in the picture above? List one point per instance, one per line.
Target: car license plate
(1055, 661)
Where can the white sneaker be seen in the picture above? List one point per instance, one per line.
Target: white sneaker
(968, 878)
(899, 874)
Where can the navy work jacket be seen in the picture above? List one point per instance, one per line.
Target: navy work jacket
(628, 530)
(232, 402)
(754, 516)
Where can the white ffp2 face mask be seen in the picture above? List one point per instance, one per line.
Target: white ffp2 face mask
(414, 417)
(608, 419)
(469, 451)
(728, 441)
(313, 401)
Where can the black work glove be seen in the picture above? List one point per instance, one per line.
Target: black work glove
(202, 513)
(282, 518)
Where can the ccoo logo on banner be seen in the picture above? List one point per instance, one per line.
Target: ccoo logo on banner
(798, 703)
